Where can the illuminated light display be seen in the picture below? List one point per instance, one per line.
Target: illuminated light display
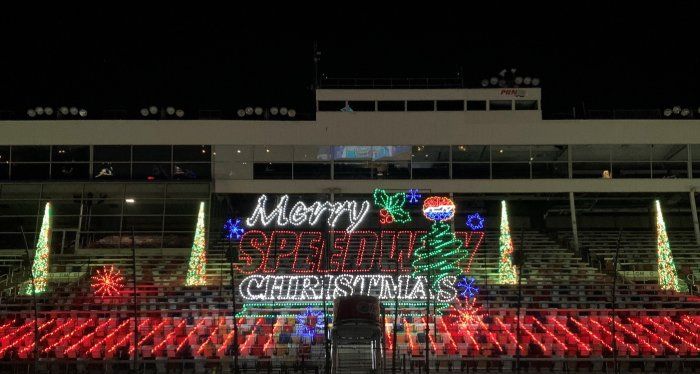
(550, 334)
(301, 252)
(148, 336)
(476, 221)
(413, 196)
(309, 321)
(507, 273)
(439, 256)
(571, 335)
(438, 208)
(606, 331)
(663, 329)
(55, 331)
(655, 335)
(682, 328)
(125, 340)
(30, 347)
(465, 287)
(168, 337)
(189, 334)
(668, 277)
(233, 229)
(385, 217)
(393, 204)
(635, 336)
(466, 324)
(67, 336)
(208, 341)
(107, 281)
(87, 337)
(533, 337)
(471, 239)
(508, 332)
(309, 287)
(302, 214)
(109, 336)
(197, 267)
(40, 266)
(489, 334)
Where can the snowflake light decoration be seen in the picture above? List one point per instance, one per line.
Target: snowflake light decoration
(466, 288)
(233, 229)
(475, 221)
(413, 196)
(107, 281)
(308, 321)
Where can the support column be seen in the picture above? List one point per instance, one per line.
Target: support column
(694, 211)
(574, 224)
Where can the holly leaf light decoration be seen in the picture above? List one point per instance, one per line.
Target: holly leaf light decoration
(393, 204)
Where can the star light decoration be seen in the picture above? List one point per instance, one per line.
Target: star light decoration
(308, 321)
(413, 196)
(233, 229)
(466, 288)
(107, 281)
(475, 221)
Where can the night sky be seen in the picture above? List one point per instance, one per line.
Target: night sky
(600, 57)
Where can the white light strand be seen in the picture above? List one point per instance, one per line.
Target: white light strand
(310, 287)
(301, 213)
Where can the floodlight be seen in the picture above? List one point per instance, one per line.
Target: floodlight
(258, 111)
(527, 81)
(144, 112)
(518, 80)
(48, 111)
(249, 111)
(535, 81)
(73, 110)
(493, 81)
(676, 109)
(63, 110)
(274, 110)
(292, 113)
(39, 110)
(685, 112)
(31, 113)
(484, 83)
(283, 110)
(82, 112)
(241, 113)
(170, 110)
(179, 113)
(668, 112)
(152, 109)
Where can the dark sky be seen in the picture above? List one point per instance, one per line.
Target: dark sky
(601, 55)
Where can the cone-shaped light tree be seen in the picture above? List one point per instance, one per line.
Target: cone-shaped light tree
(507, 273)
(668, 277)
(197, 269)
(40, 266)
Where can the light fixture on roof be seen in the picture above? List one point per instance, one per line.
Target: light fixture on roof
(503, 73)
(240, 113)
(501, 83)
(170, 110)
(685, 112)
(31, 113)
(258, 111)
(668, 112)
(39, 110)
(73, 110)
(535, 81)
(153, 109)
(144, 112)
(48, 111)
(179, 113)
(518, 80)
(283, 110)
(292, 113)
(274, 110)
(63, 110)
(249, 111)
(493, 81)
(676, 109)
(527, 81)
(484, 83)
(82, 112)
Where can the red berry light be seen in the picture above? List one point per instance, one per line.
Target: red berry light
(107, 281)
(438, 208)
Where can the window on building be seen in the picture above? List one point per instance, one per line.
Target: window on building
(391, 106)
(501, 105)
(449, 105)
(420, 105)
(476, 105)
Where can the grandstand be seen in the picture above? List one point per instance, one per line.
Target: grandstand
(220, 245)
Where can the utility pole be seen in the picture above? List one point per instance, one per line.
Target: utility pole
(36, 307)
(135, 300)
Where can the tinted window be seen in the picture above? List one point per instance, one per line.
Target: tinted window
(450, 105)
(476, 105)
(391, 106)
(420, 106)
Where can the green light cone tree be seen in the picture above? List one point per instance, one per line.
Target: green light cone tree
(668, 277)
(439, 254)
(197, 268)
(40, 266)
(507, 272)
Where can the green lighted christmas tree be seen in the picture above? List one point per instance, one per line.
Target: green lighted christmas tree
(197, 268)
(668, 277)
(507, 273)
(440, 251)
(40, 267)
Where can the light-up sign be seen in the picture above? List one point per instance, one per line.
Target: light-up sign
(318, 287)
(301, 213)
